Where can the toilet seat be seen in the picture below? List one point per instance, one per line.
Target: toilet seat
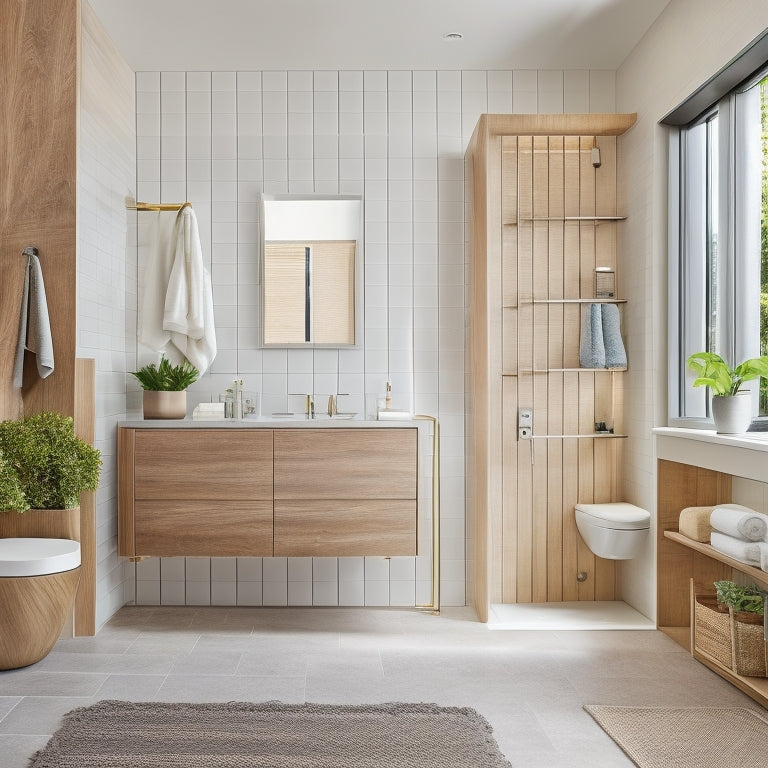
(616, 515)
(21, 557)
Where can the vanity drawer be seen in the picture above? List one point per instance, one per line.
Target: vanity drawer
(203, 464)
(203, 528)
(343, 528)
(346, 463)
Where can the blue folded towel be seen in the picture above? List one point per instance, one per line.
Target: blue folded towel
(592, 347)
(615, 354)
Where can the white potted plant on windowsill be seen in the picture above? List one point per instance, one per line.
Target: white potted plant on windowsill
(731, 405)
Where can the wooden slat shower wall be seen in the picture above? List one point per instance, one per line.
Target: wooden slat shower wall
(544, 179)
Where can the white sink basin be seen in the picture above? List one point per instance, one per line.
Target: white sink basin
(317, 416)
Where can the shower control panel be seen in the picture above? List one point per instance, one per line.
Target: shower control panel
(524, 423)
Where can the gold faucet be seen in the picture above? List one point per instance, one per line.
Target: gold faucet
(331, 405)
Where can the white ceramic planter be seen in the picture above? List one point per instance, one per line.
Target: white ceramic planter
(732, 414)
(165, 405)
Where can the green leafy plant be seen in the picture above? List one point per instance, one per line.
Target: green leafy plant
(165, 377)
(715, 373)
(51, 465)
(742, 598)
(11, 493)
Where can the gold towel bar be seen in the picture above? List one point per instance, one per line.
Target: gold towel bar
(139, 206)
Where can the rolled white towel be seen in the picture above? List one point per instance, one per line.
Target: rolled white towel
(739, 522)
(744, 551)
(763, 556)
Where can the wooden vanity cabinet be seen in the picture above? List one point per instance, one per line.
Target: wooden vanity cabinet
(195, 492)
(345, 492)
(285, 492)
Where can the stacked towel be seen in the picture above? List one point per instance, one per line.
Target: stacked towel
(739, 522)
(748, 552)
(741, 533)
(592, 346)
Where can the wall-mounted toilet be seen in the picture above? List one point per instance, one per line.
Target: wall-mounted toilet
(38, 582)
(615, 531)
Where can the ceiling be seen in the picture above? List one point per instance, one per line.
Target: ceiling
(362, 34)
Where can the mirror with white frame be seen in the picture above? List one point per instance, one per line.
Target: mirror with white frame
(311, 270)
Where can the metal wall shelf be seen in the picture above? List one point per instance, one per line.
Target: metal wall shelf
(572, 370)
(589, 436)
(585, 219)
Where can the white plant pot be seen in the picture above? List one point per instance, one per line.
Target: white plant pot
(732, 415)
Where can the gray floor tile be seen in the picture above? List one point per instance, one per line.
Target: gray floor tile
(16, 750)
(202, 688)
(40, 714)
(144, 664)
(131, 688)
(49, 684)
(531, 686)
(7, 703)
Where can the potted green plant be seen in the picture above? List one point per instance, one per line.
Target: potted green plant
(44, 468)
(731, 406)
(165, 386)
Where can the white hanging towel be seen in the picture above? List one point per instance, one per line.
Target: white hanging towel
(188, 308)
(34, 323)
(157, 272)
(176, 313)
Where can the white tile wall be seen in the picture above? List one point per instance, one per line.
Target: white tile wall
(398, 138)
(106, 285)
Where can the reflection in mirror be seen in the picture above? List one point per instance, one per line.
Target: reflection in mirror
(311, 270)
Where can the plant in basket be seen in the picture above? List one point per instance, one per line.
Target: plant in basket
(743, 599)
(746, 607)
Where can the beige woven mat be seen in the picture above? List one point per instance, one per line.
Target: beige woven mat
(122, 734)
(687, 737)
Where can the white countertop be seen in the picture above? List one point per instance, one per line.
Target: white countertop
(754, 441)
(301, 422)
(744, 455)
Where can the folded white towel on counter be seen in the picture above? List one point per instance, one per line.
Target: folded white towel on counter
(592, 346)
(740, 522)
(744, 551)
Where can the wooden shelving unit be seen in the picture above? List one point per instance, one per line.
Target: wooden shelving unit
(682, 560)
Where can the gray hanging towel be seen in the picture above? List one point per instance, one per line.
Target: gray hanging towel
(34, 324)
(615, 354)
(592, 347)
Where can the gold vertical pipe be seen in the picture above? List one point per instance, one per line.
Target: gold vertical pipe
(434, 605)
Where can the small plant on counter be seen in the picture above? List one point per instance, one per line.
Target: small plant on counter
(742, 598)
(51, 465)
(165, 377)
(724, 381)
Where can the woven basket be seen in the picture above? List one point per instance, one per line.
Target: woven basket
(749, 647)
(713, 630)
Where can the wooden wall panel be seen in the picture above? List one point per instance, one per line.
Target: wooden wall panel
(543, 267)
(547, 259)
(39, 43)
